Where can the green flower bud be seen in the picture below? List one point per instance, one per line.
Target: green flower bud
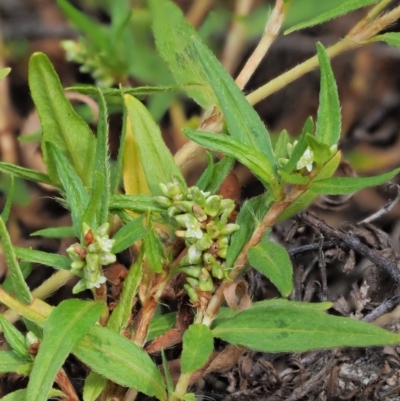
(199, 213)
(102, 231)
(217, 271)
(204, 243)
(94, 248)
(30, 339)
(205, 281)
(223, 252)
(92, 262)
(184, 206)
(198, 196)
(107, 258)
(223, 241)
(192, 257)
(75, 251)
(191, 271)
(212, 206)
(208, 259)
(192, 281)
(212, 229)
(180, 233)
(163, 201)
(192, 293)
(77, 265)
(229, 229)
(173, 211)
(164, 190)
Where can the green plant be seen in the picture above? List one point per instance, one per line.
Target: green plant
(176, 231)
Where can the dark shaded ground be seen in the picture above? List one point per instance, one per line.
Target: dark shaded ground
(345, 260)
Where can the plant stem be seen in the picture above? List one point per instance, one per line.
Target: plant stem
(353, 40)
(270, 33)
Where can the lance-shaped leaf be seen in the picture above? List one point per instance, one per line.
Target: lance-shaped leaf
(347, 185)
(243, 122)
(10, 361)
(44, 258)
(55, 232)
(391, 38)
(160, 325)
(4, 72)
(61, 125)
(157, 162)
(135, 203)
(66, 325)
(248, 156)
(76, 193)
(273, 261)
(128, 235)
(25, 173)
(344, 8)
(20, 395)
(174, 41)
(121, 361)
(329, 117)
(17, 278)
(15, 339)
(94, 385)
(292, 329)
(198, 344)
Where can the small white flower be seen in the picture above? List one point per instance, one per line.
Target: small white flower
(306, 160)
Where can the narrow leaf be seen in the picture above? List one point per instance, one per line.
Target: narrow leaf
(129, 234)
(391, 38)
(77, 196)
(292, 329)
(7, 207)
(273, 261)
(153, 250)
(347, 185)
(329, 117)
(66, 325)
(94, 385)
(26, 269)
(319, 306)
(25, 173)
(174, 41)
(44, 258)
(17, 278)
(10, 361)
(343, 8)
(281, 146)
(14, 338)
(56, 232)
(61, 125)
(159, 325)
(250, 216)
(243, 122)
(20, 395)
(4, 72)
(158, 164)
(137, 371)
(122, 313)
(198, 344)
(167, 373)
(135, 203)
(248, 156)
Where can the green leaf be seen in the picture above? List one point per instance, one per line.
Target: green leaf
(391, 38)
(129, 234)
(26, 269)
(215, 174)
(55, 232)
(298, 205)
(167, 373)
(44, 258)
(344, 8)
(319, 306)
(14, 338)
(198, 344)
(25, 173)
(292, 329)
(281, 145)
(135, 203)
(106, 353)
(4, 72)
(101, 165)
(329, 118)
(122, 313)
(159, 325)
(153, 250)
(97, 33)
(273, 261)
(243, 122)
(76, 194)
(94, 385)
(22, 291)
(158, 164)
(61, 125)
(20, 395)
(65, 326)
(174, 41)
(248, 156)
(7, 207)
(250, 216)
(10, 361)
(93, 210)
(347, 185)
(294, 178)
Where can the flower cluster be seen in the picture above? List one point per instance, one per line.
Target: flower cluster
(87, 261)
(306, 160)
(204, 225)
(91, 60)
